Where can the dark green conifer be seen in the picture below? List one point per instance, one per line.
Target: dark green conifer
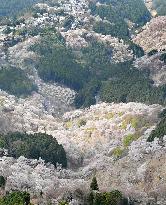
(94, 184)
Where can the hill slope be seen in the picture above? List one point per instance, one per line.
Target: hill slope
(106, 58)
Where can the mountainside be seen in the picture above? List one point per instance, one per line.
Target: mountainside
(94, 139)
(83, 95)
(152, 35)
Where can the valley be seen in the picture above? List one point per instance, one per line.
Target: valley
(83, 95)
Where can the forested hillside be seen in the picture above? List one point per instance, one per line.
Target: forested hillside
(82, 102)
(118, 14)
(34, 147)
(15, 81)
(94, 72)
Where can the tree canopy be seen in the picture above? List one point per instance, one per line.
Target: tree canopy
(16, 82)
(33, 146)
(16, 198)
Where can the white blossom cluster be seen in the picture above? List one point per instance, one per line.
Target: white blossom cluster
(78, 38)
(156, 67)
(153, 35)
(35, 177)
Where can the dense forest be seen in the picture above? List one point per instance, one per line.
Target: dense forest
(117, 14)
(33, 146)
(16, 198)
(16, 82)
(53, 67)
(92, 72)
(160, 130)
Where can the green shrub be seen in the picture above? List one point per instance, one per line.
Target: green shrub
(120, 29)
(2, 143)
(114, 197)
(94, 185)
(159, 131)
(16, 198)
(81, 122)
(127, 140)
(152, 52)
(129, 84)
(163, 57)
(97, 198)
(63, 203)
(16, 82)
(117, 152)
(109, 115)
(162, 114)
(115, 12)
(2, 181)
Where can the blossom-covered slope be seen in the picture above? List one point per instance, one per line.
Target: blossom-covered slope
(107, 139)
(153, 35)
(108, 47)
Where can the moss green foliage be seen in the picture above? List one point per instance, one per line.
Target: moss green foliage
(117, 152)
(12, 7)
(135, 121)
(15, 81)
(63, 203)
(109, 115)
(81, 122)
(2, 181)
(34, 146)
(116, 12)
(16, 198)
(69, 124)
(2, 142)
(129, 139)
(159, 131)
(94, 185)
